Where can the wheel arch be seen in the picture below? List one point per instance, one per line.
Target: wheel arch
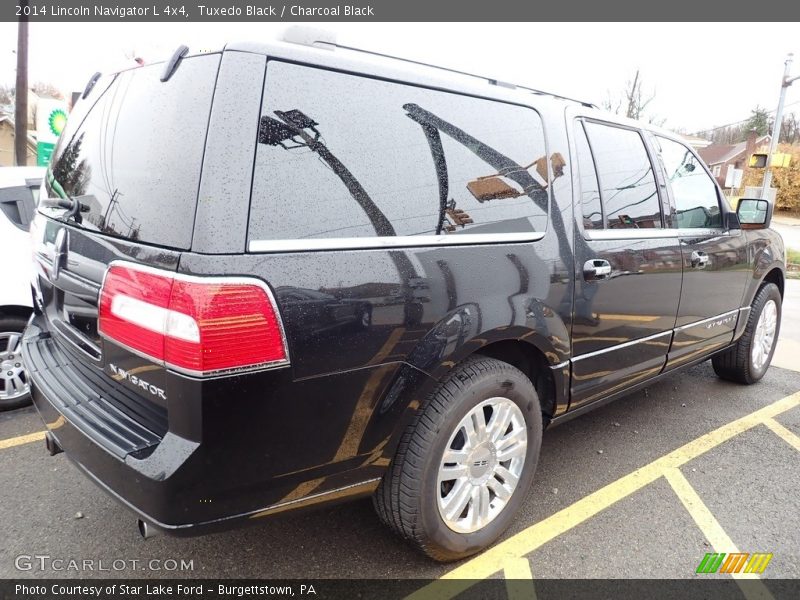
(15, 310)
(776, 276)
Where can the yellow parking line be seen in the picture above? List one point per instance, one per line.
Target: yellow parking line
(494, 559)
(788, 436)
(22, 439)
(713, 531)
(519, 580)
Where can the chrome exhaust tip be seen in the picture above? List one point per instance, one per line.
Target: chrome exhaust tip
(145, 530)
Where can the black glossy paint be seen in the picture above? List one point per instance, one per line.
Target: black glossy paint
(369, 331)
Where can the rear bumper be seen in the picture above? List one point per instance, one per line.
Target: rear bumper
(102, 440)
(232, 451)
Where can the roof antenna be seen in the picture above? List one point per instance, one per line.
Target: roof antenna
(172, 64)
(90, 84)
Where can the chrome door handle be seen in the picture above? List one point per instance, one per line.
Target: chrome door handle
(596, 268)
(699, 259)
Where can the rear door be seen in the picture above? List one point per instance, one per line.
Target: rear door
(715, 266)
(628, 264)
(131, 154)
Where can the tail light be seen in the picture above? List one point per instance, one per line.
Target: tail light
(196, 325)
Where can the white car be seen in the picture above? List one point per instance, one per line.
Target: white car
(19, 191)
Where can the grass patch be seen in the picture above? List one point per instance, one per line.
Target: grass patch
(793, 268)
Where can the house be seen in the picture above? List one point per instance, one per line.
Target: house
(696, 142)
(7, 144)
(721, 157)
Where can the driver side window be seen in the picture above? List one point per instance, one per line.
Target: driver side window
(693, 191)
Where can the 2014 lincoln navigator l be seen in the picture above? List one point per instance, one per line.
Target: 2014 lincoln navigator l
(281, 275)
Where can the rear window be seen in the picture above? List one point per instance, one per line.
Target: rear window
(346, 156)
(134, 160)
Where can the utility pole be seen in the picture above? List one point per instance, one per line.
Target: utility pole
(21, 95)
(776, 128)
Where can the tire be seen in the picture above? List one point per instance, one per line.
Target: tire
(738, 362)
(10, 358)
(409, 499)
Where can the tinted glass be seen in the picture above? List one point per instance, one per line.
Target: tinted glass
(134, 160)
(342, 156)
(693, 191)
(627, 183)
(590, 190)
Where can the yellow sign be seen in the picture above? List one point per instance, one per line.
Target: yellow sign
(779, 160)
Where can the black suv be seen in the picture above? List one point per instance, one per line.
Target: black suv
(278, 275)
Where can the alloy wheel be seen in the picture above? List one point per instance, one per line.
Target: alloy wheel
(481, 465)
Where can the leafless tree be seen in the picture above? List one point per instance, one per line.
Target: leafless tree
(47, 90)
(633, 101)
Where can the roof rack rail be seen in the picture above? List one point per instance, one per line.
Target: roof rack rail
(308, 36)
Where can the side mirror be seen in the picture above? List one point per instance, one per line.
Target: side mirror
(754, 213)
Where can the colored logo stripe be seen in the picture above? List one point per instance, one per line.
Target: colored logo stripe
(735, 562)
(711, 562)
(758, 562)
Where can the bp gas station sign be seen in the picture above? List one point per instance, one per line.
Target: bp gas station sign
(51, 117)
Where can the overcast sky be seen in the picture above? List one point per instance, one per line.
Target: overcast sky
(703, 75)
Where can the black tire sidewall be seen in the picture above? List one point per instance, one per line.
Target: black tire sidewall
(768, 292)
(16, 324)
(453, 544)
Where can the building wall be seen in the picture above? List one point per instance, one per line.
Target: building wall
(7, 147)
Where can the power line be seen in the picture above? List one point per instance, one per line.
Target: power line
(769, 112)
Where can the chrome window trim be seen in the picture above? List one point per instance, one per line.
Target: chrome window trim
(629, 234)
(701, 232)
(400, 241)
(622, 345)
(651, 234)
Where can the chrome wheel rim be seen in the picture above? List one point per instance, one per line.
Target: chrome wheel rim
(481, 465)
(764, 337)
(13, 379)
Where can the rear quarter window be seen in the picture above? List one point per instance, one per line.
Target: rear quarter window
(135, 157)
(346, 156)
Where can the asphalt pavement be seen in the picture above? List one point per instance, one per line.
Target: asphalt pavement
(643, 487)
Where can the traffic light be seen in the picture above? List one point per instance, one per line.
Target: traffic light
(758, 161)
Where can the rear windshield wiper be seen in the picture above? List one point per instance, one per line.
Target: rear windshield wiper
(73, 206)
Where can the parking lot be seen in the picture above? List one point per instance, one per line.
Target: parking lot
(643, 487)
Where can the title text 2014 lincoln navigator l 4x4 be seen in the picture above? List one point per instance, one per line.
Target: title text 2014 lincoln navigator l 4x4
(279, 275)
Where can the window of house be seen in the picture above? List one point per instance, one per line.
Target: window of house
(693, 191)
(625, 174)
(717, 170)
(345, 156)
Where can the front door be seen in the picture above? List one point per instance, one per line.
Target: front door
(715, 266)
(628, 265)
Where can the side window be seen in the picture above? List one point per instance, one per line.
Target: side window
(627, 183)
(693, 191)
(591, 209)
(345, 156)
